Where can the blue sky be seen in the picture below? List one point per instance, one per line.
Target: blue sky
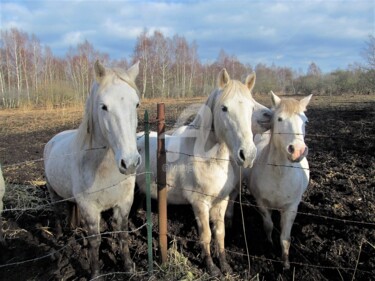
(287, 33)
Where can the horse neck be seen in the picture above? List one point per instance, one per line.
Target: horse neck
(272, 154)
(200, 141)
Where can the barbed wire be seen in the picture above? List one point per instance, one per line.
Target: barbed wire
(72, 198)
(274, 209)
(40, 207)
(66, 246)
(173, 236)
(268, 132)
(245, 204)
(28, 162)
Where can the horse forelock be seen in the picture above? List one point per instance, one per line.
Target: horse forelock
(289, 106)
(216, 98)
(232, 89)
(122, 75)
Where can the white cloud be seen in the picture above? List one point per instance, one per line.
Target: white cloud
(257, 31)
(72, 38)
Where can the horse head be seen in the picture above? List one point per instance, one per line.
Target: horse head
(288, 126)
(115, 108)
(233, 108)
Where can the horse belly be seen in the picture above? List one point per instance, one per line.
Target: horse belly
(58, 161)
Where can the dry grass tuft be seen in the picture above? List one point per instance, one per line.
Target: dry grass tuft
(19, 198)
(180, 268)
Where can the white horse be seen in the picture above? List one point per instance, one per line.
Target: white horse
(95, 165)
(2, 192)
(200, 159)
(280, 174)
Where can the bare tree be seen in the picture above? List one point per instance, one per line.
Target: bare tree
(369, 52)
(314, 70)
(142, 53)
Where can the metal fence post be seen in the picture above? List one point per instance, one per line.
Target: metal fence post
(148, 193)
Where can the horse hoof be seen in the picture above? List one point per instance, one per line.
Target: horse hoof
(96, 276)
(226, 269)
(3, 243)
(129, 267)
(214, 271)
(286, 264)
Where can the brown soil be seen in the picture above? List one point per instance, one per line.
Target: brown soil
(333, 236)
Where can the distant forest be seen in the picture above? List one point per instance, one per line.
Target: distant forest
(30, 74)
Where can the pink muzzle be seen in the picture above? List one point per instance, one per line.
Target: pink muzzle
(297, 152)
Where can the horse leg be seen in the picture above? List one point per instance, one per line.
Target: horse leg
(74, 216)
(120, 223)
(287, 219)
(60, 210)
(217, 214)
(230, 209)
(267, 221)
(201, 212)
(2, 240)
(91, 219)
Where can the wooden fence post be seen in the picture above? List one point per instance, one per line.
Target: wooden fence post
(161, 178)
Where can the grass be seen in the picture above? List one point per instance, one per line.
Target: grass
(18, 198)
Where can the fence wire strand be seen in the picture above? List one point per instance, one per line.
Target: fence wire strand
(66, 246)
(41, 207)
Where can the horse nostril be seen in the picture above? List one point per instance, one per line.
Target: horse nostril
(241, 155)
(139, 160)
(291, 149)
(123, 164)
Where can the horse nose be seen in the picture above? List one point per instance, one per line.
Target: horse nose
(241, 155)
(291, 148)
(245, 157)
(139, 161)
(123, 164)
(128, 165)
(297, 152)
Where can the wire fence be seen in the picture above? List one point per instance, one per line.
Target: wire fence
(246, 204)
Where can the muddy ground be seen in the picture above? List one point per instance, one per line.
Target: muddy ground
(333, 237)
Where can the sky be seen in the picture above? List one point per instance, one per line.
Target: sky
(331, 33)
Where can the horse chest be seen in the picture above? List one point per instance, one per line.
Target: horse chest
(214, 179)
(102, 182)
(278, 187)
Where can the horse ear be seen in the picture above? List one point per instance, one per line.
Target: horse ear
(133, 71)
(99, 70)
(304, 102)
(250, 81)
(223, 78)
(275, 99)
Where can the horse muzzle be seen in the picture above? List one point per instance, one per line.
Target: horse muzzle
(129, 165)
(297, 152)
(245, 157)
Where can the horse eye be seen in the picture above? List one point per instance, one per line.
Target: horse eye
(104, 107)
(279, 119)
(224, 108)
(137, 105)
